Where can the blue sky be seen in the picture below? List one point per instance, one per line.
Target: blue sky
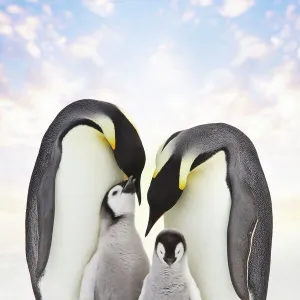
(201, 34)
(170, 65)
(180, 62)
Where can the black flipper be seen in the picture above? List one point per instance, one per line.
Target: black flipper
(46, 208)
(242, 221)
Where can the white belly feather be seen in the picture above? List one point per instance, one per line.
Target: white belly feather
(202, 215)
(87, 170)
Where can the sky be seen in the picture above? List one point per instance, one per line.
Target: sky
(169, 65)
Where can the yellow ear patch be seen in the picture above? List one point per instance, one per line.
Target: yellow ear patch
(108, 129)
(185, 168)
(182, 184)
(101, 136)
(112, 142)
(155, 173)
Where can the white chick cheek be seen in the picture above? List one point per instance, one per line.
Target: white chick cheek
(179, 251)
(122, 204)
(114, 192)
(160, 251)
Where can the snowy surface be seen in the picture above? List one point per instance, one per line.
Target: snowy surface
(14, 276)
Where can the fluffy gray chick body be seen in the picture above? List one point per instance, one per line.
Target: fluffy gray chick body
(122, 262)
(165, 283)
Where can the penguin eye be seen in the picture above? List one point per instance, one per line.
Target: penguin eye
(161, 252)
(114, 193)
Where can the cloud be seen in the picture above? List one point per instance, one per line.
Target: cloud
(165, 67)
(250, 47)
(102, 8)
(285, 32)
(276, 41)
(3, 79)
(27, 28)
(283, 86)
(201, 2)
(33, 49)
(47, 9)
(290, 46)
(68, 14)
(297, 23)
(219, 80)
(292, 19)
(290, 10)
(35, 34)
(89, 46)
(235, 8)
(14, 9)
(5, 24)
(188, 16)
(286, 37)
(174, 4)
(160, 12)
(43, 96)
(269, 14)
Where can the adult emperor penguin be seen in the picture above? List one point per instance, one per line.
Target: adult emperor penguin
(89, 147)
(210, 185)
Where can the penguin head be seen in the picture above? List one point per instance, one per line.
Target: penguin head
(124, 141)
(170, 247)
(167, 185)
(174, 161)
(119, 200)
(164, 191)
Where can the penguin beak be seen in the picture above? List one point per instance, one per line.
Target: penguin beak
(138, 191)
(129, 188)
(170, 260)
(149, 227)
(152, 220)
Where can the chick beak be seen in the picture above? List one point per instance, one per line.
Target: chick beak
(170, 261)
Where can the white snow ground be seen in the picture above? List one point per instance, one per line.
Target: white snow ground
(284, 279)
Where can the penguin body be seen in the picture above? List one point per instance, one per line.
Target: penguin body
(209, 184)
(169, 277)
(89, 147)
(120, 264)
(205, 203)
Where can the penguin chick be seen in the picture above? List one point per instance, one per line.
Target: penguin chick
(169, 277)
(120, 264)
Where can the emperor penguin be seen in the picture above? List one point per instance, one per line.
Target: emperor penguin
(210, 185)
(120, 264)
(170, 277)
(90, 146)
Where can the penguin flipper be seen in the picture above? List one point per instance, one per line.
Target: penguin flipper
(88, 282)
(259, 262)
(46, 206)
(143, 291)
(242, 222)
